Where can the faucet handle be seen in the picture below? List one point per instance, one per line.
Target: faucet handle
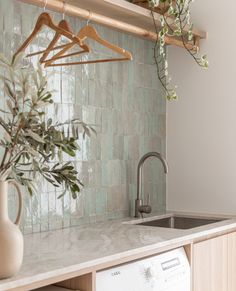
(145, 209)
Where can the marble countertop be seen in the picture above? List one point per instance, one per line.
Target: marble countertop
(61, 252)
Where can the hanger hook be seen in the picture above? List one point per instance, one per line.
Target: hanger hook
(89, 17)
(64, 9)
(45, 5)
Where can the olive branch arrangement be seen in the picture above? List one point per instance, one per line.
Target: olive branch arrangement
(175, 18)
(31, 144)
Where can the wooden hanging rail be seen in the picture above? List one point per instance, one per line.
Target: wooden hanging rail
(76, 11)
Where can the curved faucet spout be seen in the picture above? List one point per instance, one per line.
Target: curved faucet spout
(138, 202)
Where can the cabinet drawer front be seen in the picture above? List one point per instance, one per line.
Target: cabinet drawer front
(210, 265)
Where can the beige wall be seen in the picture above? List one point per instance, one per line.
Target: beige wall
(202, 124)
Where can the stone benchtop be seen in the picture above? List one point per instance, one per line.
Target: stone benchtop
(52, 254)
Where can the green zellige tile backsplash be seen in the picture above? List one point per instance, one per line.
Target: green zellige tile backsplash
(126, 104)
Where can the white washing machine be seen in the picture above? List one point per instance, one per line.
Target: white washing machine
(169, 271)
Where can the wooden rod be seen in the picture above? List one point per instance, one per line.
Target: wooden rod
(72, 10)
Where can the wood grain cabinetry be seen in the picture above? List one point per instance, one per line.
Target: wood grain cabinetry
(82, 283)
(214, 264)
(210, 265)
(232, 261)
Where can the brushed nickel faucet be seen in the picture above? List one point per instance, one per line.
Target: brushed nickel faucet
(140, 208)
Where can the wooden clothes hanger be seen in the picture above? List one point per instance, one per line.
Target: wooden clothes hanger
(62, 30)
(88, 32)
(51, 47)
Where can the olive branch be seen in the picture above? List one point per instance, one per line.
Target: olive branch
(33, 145)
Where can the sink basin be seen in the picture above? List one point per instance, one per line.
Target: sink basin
(180, 222)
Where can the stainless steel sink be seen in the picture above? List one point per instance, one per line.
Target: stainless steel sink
(180, 222)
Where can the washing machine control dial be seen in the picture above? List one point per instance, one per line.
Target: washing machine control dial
(150, 273)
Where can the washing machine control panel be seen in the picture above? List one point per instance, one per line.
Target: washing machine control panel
(166, 272)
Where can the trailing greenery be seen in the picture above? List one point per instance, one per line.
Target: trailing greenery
(175, 22)
(31, 144)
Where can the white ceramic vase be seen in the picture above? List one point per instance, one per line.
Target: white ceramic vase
(11, 238)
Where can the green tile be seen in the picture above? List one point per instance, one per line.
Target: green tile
(123, 101)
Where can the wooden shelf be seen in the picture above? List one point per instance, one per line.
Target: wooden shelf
(116, 14)
(125, 11)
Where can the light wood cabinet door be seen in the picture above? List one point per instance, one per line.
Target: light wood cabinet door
(232, 262)
(210, 265)
(83, 283)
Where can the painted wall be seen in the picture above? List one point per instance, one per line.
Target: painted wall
(123, 100)
(202, 124)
